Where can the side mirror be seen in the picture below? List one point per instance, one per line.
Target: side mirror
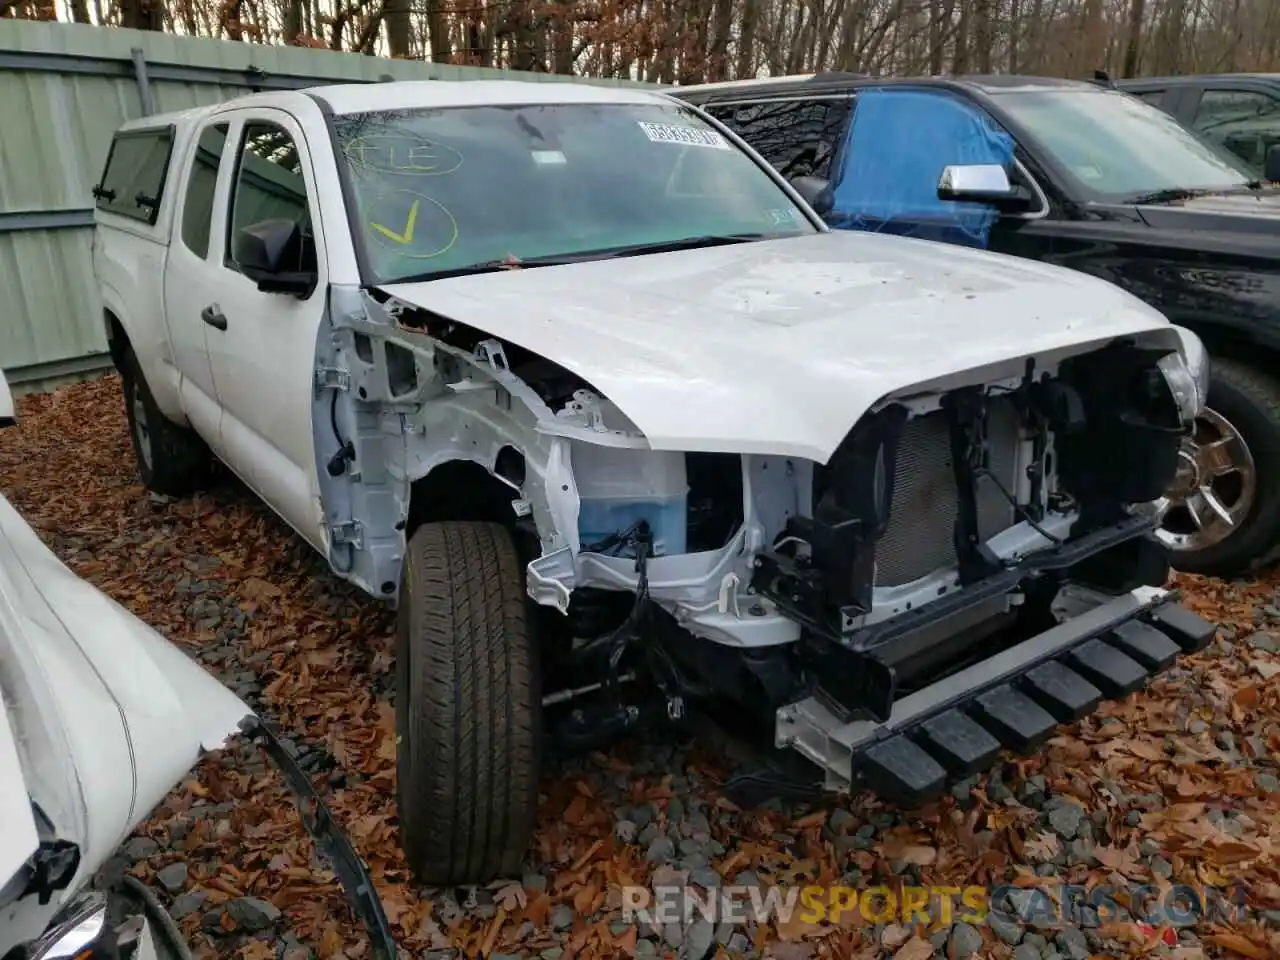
(815, 191)
(982, 183)
(1271, 171)
(8, 413)
(264, 250)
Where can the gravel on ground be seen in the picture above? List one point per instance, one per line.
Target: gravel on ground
(1179, 784)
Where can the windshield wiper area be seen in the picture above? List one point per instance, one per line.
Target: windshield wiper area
(489, 266)
(605, 253)
(1170, 195)
(686, 243)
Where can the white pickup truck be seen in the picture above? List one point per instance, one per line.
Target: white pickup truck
(578, 382)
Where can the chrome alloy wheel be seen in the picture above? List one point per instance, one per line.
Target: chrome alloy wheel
(141, 427)
(1214, 488)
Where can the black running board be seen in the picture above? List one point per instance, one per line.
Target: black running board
(1013, 700)
(351, 871)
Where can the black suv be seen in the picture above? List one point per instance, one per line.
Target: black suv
(1241, 111)
(1085, 176)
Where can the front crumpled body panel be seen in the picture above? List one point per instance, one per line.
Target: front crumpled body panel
(778, 347)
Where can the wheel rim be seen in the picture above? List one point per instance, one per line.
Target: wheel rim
(1214, 488)
(141, 430)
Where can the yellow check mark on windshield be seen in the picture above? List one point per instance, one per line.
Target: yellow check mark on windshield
(405, 238)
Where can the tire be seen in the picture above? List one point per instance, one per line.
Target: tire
(1249, 402)
(172, 460)
(467, 706)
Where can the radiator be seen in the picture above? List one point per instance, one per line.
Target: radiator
(921, 531)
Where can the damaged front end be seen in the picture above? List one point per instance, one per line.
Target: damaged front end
(972, 564)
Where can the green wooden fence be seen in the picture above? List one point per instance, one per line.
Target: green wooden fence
(64, 89)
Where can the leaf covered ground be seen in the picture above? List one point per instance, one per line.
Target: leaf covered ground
(1178, 784)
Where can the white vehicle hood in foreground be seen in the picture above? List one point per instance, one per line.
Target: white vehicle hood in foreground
(102, 716)
(778, 347)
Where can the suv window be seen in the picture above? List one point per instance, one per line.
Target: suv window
(197, 206)
(1116, 147)
(798, 137)
(270, 186)
(1246, 122)
(134, 175)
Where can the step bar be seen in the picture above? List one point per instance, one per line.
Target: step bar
(1013, 700)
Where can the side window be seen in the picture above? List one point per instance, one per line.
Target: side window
(270, 186)
(134, 175)
(1153, 97)
(899, 143)
(798, 137)
(197, 207)
(1246, 122)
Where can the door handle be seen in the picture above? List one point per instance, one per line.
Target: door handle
(214, 317)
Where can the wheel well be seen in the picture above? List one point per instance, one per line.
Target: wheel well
(459, 490)
(1223, 343)
(117, 339)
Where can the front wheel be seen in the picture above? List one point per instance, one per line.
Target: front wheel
(467, 706)
(1224, 506)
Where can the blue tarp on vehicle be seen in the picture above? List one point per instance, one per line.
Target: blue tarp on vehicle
(899, 142)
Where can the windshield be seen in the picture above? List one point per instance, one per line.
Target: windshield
(1117, 147)
(443, 189)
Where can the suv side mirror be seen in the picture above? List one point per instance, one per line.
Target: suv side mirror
(982, 183)
(8, 413)
(1271, 170)
(815, 191)
(264, 249)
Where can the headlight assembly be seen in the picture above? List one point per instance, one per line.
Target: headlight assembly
(1187, 374)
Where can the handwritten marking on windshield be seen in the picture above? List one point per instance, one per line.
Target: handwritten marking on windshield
(406, 237)
(403, 155)
(429, 230)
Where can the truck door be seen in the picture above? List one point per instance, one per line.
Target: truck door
(262, 344)
(190, 279)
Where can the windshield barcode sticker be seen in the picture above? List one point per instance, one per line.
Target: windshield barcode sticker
(689, 136)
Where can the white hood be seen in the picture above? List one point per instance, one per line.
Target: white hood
(779, 347)
(102, 715)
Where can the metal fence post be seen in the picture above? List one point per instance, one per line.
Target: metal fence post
(143, 81)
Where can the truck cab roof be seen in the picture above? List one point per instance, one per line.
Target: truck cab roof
(346, 98)
(418, 94)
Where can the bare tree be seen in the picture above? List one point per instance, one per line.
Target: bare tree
(691, 41)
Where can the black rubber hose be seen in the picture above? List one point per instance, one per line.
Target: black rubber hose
(158, 917)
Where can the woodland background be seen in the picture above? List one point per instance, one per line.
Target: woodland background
(694, 41)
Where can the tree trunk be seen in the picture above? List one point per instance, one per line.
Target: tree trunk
(693, 42)
(960, 57)
(1015, 25)
(1095, 40)
(746, 66)
(1132, 45)
(937, 37)
(80, 11)
(396, 15)
(291, 23)
(983, 34)
(722, 21)
(562, 40)
(148, 15)
(438, 31)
